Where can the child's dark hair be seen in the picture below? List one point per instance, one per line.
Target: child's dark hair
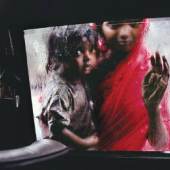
(65, 41)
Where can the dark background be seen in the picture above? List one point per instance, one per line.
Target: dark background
(33, 13)
(18, 15)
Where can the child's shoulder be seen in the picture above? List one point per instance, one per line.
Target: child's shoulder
(57, 89)
(57, 86)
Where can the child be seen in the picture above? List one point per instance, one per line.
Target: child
(68, 106)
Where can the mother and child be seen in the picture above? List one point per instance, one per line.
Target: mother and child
(105, 91)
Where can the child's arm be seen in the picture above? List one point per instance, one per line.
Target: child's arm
(88, 142)
(65, 135)
(58, 118)
(154, 86)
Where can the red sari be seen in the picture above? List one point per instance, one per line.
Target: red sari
(124, 120)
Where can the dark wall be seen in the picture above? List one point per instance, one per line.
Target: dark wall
(16, 122)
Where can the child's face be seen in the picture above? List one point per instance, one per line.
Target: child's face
(121, 36)
(86, 60)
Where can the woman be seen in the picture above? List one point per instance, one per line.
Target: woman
(127, 119)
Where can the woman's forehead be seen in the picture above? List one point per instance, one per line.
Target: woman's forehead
(122, 21)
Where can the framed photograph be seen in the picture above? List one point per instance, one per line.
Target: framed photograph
(102, 86)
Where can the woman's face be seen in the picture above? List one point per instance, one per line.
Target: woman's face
(121, 36)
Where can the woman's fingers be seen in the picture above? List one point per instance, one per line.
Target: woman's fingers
(166, 66)
(158, 65)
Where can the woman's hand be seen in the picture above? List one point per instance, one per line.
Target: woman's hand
(155, 82)
(154, 86)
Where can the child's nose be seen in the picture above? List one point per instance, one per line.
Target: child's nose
(86, 58)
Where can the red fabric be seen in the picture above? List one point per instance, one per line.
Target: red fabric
(123, 115)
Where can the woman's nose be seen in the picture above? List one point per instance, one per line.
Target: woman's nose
(124, 32)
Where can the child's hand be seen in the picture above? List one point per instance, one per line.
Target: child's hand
(91, 141)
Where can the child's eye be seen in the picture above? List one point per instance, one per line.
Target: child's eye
(79, 52)
(91, 48)
(93, 51)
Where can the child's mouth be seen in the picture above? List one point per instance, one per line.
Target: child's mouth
(87, 66)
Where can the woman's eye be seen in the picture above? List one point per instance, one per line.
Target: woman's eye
(112, 25)
(134, 24)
